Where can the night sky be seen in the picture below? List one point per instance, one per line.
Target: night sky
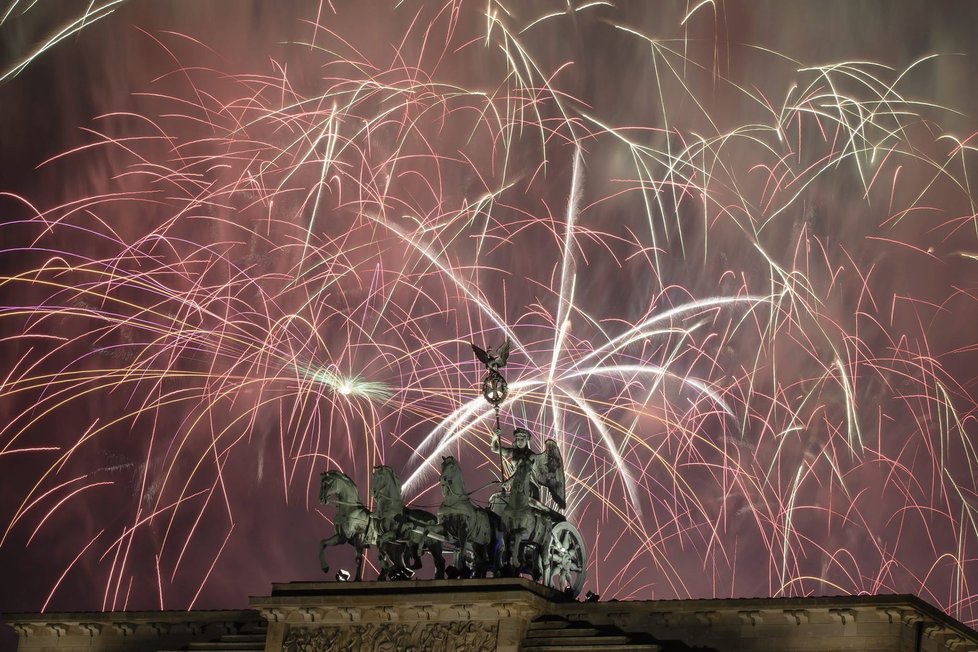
(734, 243)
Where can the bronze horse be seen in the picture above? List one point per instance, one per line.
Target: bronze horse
(410, 531)
(354, 524)
(476, 531)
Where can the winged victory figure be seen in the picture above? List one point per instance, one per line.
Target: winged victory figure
(493, 361)
(546, 467)
(548, 471)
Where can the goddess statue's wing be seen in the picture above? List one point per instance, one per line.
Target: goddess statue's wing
(503, 353)
(481, 354)
(548, 470)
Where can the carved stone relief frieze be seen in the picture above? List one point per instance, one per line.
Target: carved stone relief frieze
(471, 636)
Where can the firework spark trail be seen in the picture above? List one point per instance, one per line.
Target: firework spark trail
(284, 267)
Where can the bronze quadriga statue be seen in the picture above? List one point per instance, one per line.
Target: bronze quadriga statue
(522, 531)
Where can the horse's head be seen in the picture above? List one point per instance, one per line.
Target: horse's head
(449, 465)
(332, 483)
(451, 476)
(384, 484)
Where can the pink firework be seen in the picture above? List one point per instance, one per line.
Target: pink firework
(737, 282)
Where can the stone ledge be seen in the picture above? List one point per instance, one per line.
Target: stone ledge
(414, 587)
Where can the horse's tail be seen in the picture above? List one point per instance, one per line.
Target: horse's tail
(371, 532)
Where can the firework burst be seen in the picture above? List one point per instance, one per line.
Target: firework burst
(727, 296)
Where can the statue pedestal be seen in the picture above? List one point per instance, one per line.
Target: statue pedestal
(435, 615)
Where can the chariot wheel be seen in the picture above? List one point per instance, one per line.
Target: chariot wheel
(565, 559)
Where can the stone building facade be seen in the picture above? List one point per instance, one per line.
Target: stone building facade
(503, 615)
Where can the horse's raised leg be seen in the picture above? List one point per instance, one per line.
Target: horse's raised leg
(325, 543)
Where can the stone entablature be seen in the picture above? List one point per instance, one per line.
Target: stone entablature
(494, 614)
(864, 623)
(126, 630)
(422, 615)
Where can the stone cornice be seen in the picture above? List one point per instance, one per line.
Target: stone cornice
(907, 610)
(128, 623)
(520, 585)
(304, 603)
(482, 611)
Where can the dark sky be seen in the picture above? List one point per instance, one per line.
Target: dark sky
(756, 347)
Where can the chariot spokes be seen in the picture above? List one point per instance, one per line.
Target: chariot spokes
(564, 559)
